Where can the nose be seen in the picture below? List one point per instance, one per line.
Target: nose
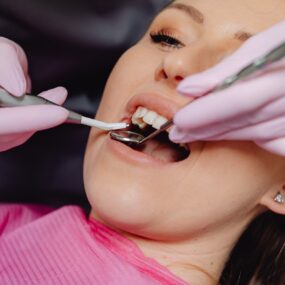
(171, 69)
(176, 65)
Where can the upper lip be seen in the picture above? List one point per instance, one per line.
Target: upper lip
(154, 102)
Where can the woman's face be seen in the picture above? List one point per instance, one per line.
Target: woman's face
(220, 184)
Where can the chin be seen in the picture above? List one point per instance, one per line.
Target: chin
(123, 216)
(119, 201)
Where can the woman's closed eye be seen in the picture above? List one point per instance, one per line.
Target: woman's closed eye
(165, 39)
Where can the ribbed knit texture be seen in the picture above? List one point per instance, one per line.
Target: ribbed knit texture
(39, 245)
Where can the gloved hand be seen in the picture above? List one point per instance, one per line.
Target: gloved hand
(253, 109)
(18, 124)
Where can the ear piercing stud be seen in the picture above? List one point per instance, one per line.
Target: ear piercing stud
(279, 198)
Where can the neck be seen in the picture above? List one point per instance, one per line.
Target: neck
(198, 260)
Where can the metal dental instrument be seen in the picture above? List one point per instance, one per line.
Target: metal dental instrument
(274, 55)
(7, 100)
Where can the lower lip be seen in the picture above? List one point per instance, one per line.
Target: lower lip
(132, 156)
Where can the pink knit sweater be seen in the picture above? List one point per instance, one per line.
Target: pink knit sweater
(40, 245)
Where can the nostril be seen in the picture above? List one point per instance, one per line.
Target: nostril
(178, 78)
(164, 74)
(161, 74)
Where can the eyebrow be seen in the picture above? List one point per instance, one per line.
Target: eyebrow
(198, 17)
(195, 14)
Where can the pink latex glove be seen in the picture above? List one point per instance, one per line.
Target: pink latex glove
(251, 110)
(18, 124)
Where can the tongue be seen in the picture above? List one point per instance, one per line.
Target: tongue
(163, 151)
(161, 147)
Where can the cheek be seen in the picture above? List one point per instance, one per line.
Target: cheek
(232, 176)
(130, 75)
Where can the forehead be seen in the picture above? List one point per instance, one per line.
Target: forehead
(253, 15)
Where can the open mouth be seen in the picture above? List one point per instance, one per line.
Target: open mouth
(144, 122)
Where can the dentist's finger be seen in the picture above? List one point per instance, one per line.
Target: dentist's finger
(276, 146)
(13, 68)
(236, 102)
(56, 95)
(267, 130)
(18, 120)
(14, 140)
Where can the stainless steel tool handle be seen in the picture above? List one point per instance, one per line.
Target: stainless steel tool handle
(272, 56)
(8, 100)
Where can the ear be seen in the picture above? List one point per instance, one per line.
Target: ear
(268, 200)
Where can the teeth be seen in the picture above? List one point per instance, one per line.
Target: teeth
(141, 112)
(150, 117)
(158, 122)
(143, 117)
(137, 118)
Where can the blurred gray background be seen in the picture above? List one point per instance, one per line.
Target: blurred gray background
(70, 43)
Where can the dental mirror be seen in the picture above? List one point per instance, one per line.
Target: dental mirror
(127, 137)
(136, 138)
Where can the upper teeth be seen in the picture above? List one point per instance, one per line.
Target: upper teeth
(143, 117)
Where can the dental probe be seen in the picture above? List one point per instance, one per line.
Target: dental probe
(8, 100)
(272, 56)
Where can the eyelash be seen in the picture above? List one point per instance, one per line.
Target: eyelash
(165, 39)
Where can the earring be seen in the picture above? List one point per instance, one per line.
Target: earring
(279, 198)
